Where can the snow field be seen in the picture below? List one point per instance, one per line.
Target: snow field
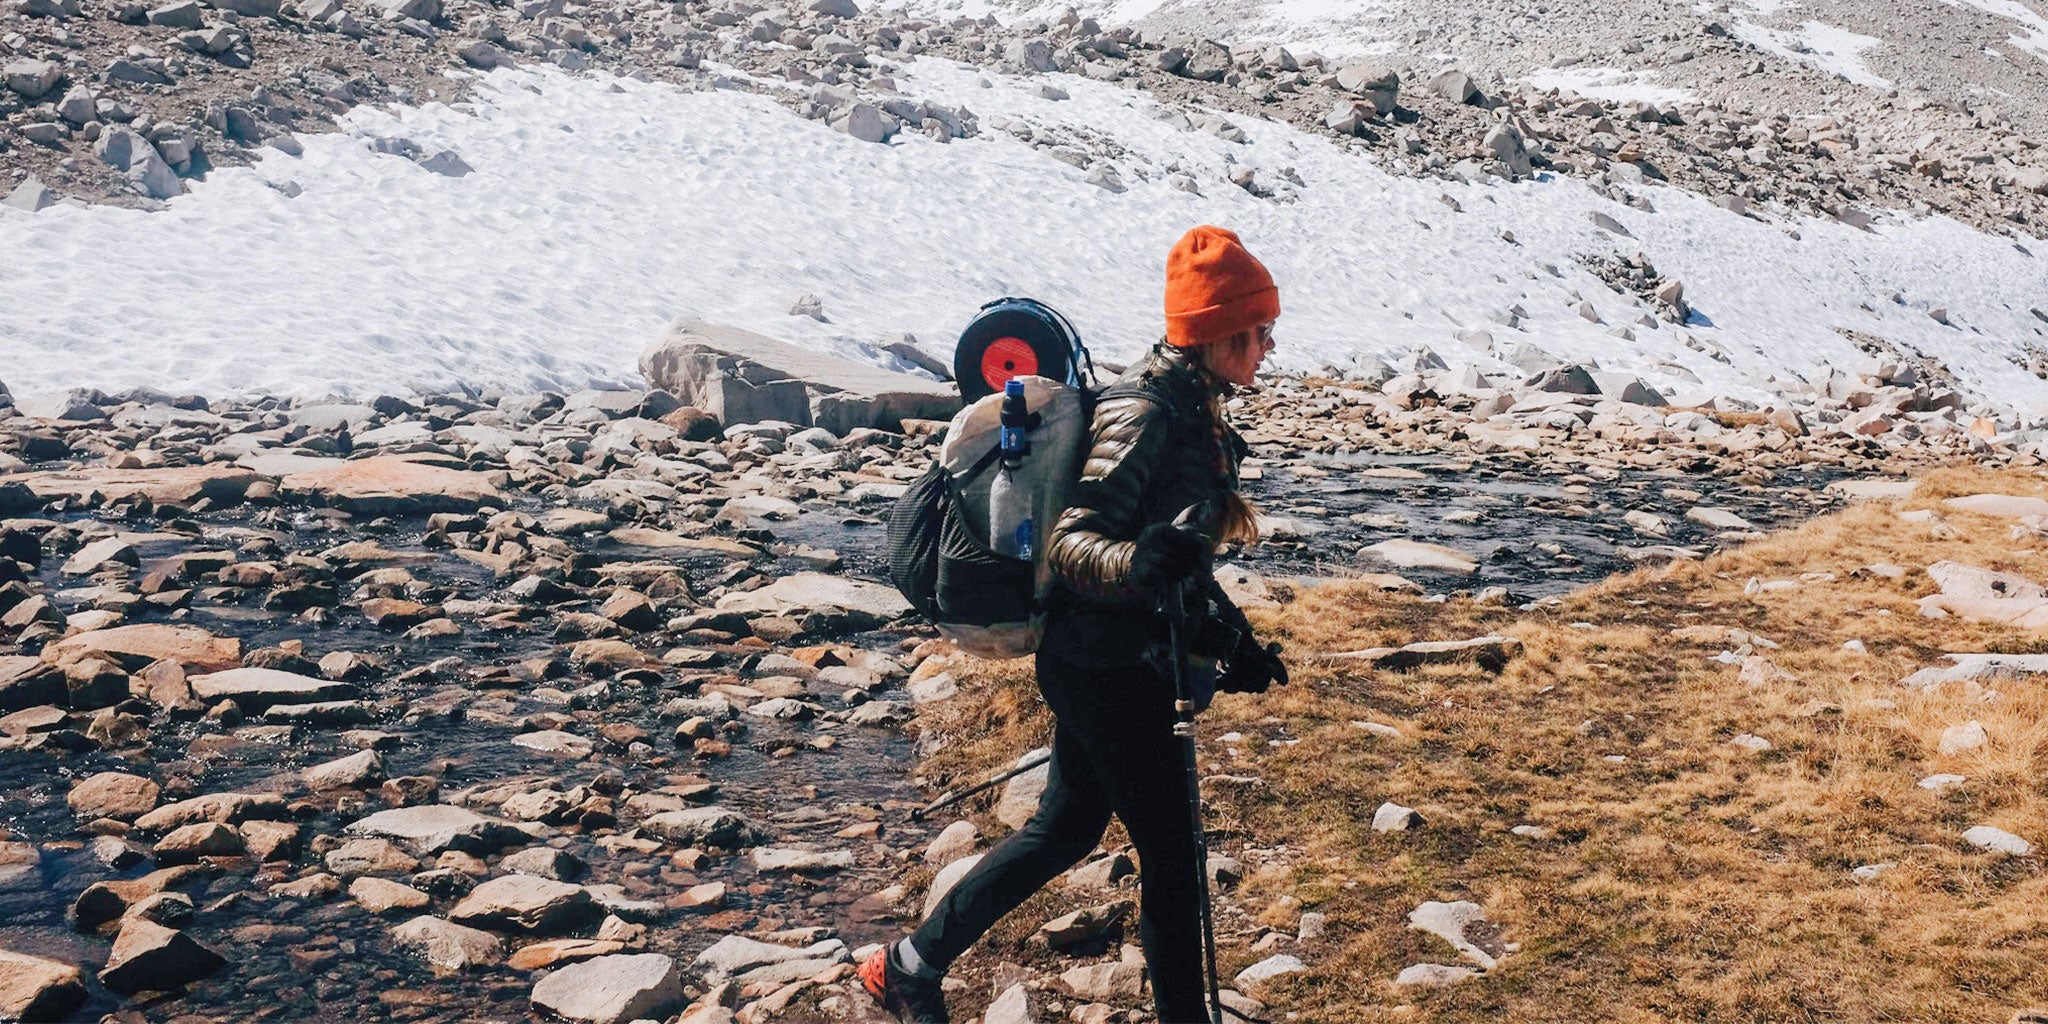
(600, 209)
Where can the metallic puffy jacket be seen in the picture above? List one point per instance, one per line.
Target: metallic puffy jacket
(1151, 454)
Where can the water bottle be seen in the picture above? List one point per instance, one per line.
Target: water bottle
(1010, 501)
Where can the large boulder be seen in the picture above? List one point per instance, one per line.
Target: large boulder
(136, 646)
(526, 903)
(253, 689)
(809, 593)
(612, 989)
(133, 155)
(448, 947)
(172, 485)
(150, 957)
(1374, 82)
(392, 485)
(35, 989)
(743, 377)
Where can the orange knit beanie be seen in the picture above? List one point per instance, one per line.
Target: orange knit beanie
(1215, 289)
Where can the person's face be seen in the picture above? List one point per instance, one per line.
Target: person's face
(1237, 360)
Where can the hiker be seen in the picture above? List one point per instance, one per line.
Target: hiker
(1113, 552)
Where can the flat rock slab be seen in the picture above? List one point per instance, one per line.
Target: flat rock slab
(112, 795)
(1979, 668)
(174, 485)
(704, 826)
(735, 955)
(1985, 595)
(137, 645)
(35, 989)
(2010, 506)
(1411, 554)
(447, 947)
(1873, 490)
(220, 808)
(526, 903)
(254, 689)
(428, 829)
(390, 485)
(1464, 925)
(612, 989)
(743, 377)
(811, 592)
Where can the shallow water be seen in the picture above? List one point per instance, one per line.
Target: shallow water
(297, 960)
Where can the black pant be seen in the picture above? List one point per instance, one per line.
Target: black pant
(1113, 752)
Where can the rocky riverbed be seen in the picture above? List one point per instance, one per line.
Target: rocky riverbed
(596, 706)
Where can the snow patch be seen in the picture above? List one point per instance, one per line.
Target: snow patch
(600, 208)
(2033, 34)
(1818, 45)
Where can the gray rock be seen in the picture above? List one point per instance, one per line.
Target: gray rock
(704, 826)
(1266, 970)
(424, 10)
(1020, 795)
(359, 770)
(247, 8)
(35, 989)
(181, 14)
(428, 829)
(448, 947)
(31, 78)
(736, 955)
(948, 877)
(1985, 837)
(1348, 116)
(30, 195)
(1376, 83)
(834, 8)
(527, 903)
(1207, 61)
(128, 152)
(866, 122)
(612, 989)
(254, 689)
(446, 163)
(1457, 87)
(150, 957)
(1462, 924)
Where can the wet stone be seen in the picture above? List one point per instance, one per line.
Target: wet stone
(449, 948)
(526, 903)
(112, 795)
(150, 957)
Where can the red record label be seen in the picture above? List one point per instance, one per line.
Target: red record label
(1007, 358)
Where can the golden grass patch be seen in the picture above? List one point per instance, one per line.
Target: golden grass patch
(1681, 876)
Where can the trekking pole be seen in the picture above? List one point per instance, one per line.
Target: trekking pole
(954, 796)
(1175, 607)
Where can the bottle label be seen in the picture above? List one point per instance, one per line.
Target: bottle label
(1022, 540)
(1012, 439)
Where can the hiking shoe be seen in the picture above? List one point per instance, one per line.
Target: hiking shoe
(912, 999)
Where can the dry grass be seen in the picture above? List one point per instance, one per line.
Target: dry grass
(1693, 880)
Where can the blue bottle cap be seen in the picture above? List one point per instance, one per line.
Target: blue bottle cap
(1013, 388)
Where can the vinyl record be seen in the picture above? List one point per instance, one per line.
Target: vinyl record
(1009, 342)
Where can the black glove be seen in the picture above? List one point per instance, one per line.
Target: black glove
(1165, 555)
(1252, 668)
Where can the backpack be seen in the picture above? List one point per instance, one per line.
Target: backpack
(940, 556)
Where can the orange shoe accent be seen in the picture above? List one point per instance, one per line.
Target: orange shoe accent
(874, 972)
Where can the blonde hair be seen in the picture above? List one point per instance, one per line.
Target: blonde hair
(1238, 520)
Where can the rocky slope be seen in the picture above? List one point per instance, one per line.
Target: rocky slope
(200, 85)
